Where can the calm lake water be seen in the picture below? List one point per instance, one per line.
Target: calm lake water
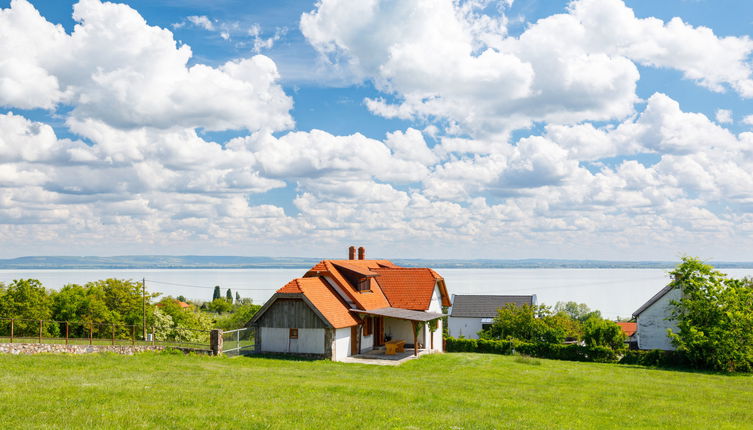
(615, 292)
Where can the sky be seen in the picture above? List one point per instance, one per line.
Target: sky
(588, 129)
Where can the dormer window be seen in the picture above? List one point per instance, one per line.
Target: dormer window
(364, 284)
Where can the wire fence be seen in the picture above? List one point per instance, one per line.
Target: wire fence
(18, 330)
(238, 342)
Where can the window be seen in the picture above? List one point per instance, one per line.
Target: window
(364, 284)
(368, 326)
(485, 327)
(294, 333)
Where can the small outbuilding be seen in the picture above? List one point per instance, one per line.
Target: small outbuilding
(471, 314)
(654, 318)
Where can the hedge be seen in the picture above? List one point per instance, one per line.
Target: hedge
(569, 352)
(656, 358)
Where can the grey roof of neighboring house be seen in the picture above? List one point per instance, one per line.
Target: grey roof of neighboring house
(485, 306)
(654, 299)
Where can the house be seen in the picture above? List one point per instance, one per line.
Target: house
(472, 314)
(342, 308)
(629, 329)
(654, 318)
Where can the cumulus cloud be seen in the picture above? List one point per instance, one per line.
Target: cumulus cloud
(446, 60)
(116, 68)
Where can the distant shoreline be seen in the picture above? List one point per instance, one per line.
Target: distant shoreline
(162, 262)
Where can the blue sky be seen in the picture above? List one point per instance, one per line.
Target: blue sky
(485, 129)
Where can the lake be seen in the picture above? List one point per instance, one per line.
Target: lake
(615, 292)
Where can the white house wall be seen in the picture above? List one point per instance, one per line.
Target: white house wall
(398, 330)
(464, 327)
(310, 340)
(653, 325)
(341, 344)
(367, 342)
(436, 301)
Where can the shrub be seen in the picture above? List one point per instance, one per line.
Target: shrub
(656, 358)
(571, 352)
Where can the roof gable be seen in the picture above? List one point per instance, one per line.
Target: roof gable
(653, 299)
(407, 288)
(321, 297)
(484, 306)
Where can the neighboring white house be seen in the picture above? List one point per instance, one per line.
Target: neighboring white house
(471, 314)
(341, 308)
(654, 319)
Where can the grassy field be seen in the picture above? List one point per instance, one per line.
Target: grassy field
(458, 391)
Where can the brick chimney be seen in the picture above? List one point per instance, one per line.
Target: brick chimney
(352, 253)
(361, 253)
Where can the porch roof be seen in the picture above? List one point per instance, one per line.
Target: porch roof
(402, 314)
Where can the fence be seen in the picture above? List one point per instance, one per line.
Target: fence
(238, 342)
(17, 330)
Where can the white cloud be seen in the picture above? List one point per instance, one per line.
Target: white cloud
(201, 21)
(723, 116)
(119, 70)
(748, 119)
(447, 60)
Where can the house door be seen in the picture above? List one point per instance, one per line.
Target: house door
(354, 347)
(378, 331)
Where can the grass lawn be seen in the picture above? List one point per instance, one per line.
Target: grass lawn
(461, 391)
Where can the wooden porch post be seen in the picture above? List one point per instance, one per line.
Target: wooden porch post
(415, 338)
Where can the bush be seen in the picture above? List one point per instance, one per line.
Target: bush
(656, 358)
(571, 352)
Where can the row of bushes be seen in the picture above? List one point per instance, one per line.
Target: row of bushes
(570, 352)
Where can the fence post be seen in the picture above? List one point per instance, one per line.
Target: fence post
(215, 341)
(91, 330)
(11, 330)
(40, 331)
(133, 335)
(154, 340)
(66, 332)
(113, 334)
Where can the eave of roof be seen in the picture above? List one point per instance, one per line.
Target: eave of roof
(653, 299)
(403, 314)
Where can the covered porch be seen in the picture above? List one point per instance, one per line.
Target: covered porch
(402, 333)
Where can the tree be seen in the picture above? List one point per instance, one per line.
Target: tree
(601, 332)
(181, 298)
(527, 323)
(576, 311)
(229, 296)
(219, 306)
(217, 294)
(714, 317)
(27, 300)
(237, 298)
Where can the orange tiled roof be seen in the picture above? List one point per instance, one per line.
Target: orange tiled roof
(628, 328)
(323, 298)
(366, 300)
(407, 288)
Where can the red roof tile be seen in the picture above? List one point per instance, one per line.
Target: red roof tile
(408, 288)
(323, 298)
(628, 328)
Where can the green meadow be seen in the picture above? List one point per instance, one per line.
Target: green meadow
(453, 391)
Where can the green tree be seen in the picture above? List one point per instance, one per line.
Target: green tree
(527, 323)
(714, 317)
(237, 298)
(576, 311)
(229, 296)
(182, 299)
(217, 293)
(219, 306)
(26, 300)
(239, 317)
(601, 332)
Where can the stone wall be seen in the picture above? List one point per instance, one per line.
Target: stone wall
(42, 348)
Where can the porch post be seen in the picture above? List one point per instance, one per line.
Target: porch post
(415, 338)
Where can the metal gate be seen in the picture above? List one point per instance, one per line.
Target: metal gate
(238, 342)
